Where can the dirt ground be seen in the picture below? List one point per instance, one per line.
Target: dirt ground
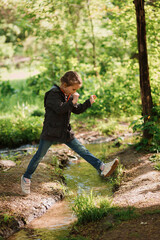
(142, 228)
(140, 188)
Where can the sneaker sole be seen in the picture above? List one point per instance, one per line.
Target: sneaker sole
(113, 168)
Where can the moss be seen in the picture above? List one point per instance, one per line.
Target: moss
(8, 225)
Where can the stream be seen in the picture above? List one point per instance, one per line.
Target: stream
(56, 222)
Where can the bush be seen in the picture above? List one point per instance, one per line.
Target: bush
(153, 144)
(40, 83)
(6, 88)
(37, 113)
(117, 97)
(14, 133)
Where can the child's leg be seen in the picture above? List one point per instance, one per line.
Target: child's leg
(84, 153)
(43, 147)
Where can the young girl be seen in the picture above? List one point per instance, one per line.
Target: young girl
(59, 102)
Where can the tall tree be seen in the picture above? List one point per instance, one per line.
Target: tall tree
(143, 65)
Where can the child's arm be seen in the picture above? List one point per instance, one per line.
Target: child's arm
(53, 101)
(80, 108)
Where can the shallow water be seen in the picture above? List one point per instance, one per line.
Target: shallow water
(81, 176)
(41, 234)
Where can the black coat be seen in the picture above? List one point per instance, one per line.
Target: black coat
(56, 125)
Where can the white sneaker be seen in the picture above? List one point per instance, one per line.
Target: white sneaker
(25, 185)
(108, 168)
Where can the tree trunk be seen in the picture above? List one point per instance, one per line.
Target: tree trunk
(143, 65)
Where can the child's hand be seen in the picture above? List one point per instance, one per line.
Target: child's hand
(92, 98)
(75, 98)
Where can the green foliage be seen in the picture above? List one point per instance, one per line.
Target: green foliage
(7, 217)
(117, 177)
(155, 158)
(96, 39)
(6, 88)
(114, 98)
(18, 100)
(40, 83)
(153, 127)
(37, 113)
(125, 214)
(6, 49)
(157, 166)
(14, 133)
(86, 210)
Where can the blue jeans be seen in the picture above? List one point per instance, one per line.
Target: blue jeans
(73, 144)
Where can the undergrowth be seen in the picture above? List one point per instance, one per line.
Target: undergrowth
(89, 209)
(155, 158)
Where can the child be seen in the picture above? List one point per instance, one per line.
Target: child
(59, 102)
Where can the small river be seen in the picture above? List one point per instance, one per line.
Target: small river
(80, 176)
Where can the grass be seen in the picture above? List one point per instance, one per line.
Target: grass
(87, 210)
(90, 209)
(117, 177)
(125, 214)
(22, 100)
(157, 166)
(151, 212)
(115, 216)
(7, 217)
(155, 158)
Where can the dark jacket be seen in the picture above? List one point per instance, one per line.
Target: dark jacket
(56, 125)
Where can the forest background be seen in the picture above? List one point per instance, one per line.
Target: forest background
(41, 40)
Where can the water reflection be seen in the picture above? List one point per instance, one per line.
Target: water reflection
(83, 177)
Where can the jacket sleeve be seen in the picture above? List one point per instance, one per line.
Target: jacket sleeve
(80, 108)
(54, 102)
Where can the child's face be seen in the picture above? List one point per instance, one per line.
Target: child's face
(71, 89)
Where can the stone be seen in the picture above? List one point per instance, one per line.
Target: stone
(7, 164)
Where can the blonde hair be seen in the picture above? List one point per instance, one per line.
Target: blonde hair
(70, 78)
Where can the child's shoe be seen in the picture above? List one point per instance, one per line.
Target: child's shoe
(25, 185)
(108, 168)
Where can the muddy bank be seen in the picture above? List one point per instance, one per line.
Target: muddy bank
(9, 225)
